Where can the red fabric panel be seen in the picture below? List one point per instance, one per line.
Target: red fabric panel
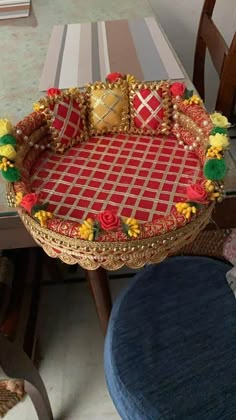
(134, 178)
(198, 114)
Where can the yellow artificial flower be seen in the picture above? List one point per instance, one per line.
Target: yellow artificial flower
(18, 198)
(219, 120)
(130, 78)
(86, 230)
(186, 209)
(215, 152)
(37, 106)
(43, 216)
(8, 151)
(193, 100)
(213, 194)
(5, 164)
(5, 127)
(73, 90)
(219, 140)
(133, 228)
(209, 186)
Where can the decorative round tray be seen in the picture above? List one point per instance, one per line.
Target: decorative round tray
(118, 198)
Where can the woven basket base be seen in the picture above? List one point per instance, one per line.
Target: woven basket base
(8, 398)
(208, 243)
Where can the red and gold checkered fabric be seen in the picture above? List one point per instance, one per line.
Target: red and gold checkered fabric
(67, 120)
(135, 178)
(199, 115)
(148, 109)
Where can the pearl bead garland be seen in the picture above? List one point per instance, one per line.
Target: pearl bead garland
(190, 147)
(31, 143)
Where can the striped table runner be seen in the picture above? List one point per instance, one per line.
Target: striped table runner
(87, 52)
(10, 9)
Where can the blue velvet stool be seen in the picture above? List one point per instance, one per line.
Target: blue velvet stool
(170, 350)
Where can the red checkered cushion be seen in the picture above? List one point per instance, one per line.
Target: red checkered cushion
(150, 109)
(66, 120)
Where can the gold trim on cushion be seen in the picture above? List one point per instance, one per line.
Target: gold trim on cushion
(108, 107)
(165, 125)
(79, 97)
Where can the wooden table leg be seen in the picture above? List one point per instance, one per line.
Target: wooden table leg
(99, 287)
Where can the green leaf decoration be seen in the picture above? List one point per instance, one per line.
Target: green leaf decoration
(219, 130)
(188, 94)
(197, 205)
(96, 230)
(11, 175)
(124, 227)
(7, 139)
(36, 218)
(39, 207)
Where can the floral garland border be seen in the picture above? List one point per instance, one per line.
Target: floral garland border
(214, 167)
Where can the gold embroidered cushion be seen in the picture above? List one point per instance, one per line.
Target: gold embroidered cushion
(150, 108)
(108, 107)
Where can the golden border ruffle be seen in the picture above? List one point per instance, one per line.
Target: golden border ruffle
(114, 255)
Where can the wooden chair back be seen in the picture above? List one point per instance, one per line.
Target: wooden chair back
(223, 58)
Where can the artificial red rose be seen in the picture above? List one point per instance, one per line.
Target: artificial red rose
(113, 77)
(177, 89)
(29, 201)
(108, 220)
(197, 193)
(53, 91)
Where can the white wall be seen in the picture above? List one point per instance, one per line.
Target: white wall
(180, 19)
